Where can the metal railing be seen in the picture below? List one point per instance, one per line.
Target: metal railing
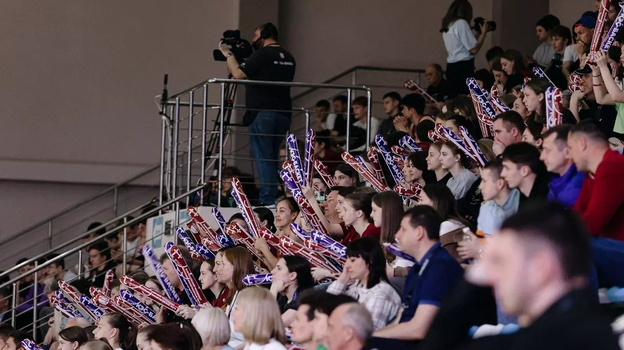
(13, 282)
(179, 168)
(54, 230)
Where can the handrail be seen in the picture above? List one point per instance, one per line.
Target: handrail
(271, 83)
(353, 69)
(81, 203)
(71, 241)
(86, 244)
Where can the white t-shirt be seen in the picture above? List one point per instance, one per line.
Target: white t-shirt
(330, 122)
(544, 54)
(570, 54)
(271, 345)
(236, 338)
(458, 41)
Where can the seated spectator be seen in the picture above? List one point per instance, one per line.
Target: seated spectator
(415, 169)
(78, 322)
(544, 52)
(456, 162)
(212, 326)
(520, 107)
(523, 169)
(513, 65)
(493, 55)
(57, 270)
(96, 344)
(27, 281)
(71, 338)
(339, 103)
(318, 184)
(429, 281)
(561, 39)
(413, 109)
(584, 33)
(117, 331)
(438, 87)
(286, 213)
(499, 201)
(508, 129)
(454, 122)
(585, 105)
(15, 339)
(387, 214)
(349, 327)
(484, 79)
(602, 77)
(229, 172)
(231, 265)
(345, 176)
(5, 316)
(533, 135)
(508, 100)
(100, 261)
(358, 130)
(534, 100)
(434, 164)
(324, 152)
(366, 265)
(208, 280)
(5, 330)
(174, 337)
(324, 119)
(601, 201)
(257, 317)
(99, 230)
(42, 299)
(567, 181)
(421, 134)
(464, 106)
(391, 105)
(440, 198)
(355, 213)
(291, 276)
(500, 78)
(549, 245)
(238, 218)
(309, 329)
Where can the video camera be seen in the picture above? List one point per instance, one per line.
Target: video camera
(478, 22)
(241, 48)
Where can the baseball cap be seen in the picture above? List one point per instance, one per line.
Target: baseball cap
(587, 22)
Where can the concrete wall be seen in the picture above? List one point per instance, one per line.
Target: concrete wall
(569, 11)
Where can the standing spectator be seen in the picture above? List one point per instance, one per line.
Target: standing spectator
(391, 103)
(360, 113)
(601, 202)
(349, 327)
(324, 119)
(461, 45)
(508, 129)
(429, 281)
(567, 181)
(268, 114)
(544, 52)
(438, 87)
(513, 64)
(523, 169)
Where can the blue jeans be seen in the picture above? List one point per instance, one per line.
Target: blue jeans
(265, 150)
(608, 257)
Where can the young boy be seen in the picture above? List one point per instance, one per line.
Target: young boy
(561, 39)
(14, 342)
(499, 200)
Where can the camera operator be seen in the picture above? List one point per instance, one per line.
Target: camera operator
(461, 44)
(267, 126)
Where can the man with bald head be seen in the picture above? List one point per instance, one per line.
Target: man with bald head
(438, 87)
(350, 325)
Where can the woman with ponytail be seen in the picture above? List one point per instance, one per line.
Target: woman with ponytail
(117, 331)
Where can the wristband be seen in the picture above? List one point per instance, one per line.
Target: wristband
(597, 85)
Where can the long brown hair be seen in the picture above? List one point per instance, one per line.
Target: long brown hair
(242, 264)
(459, 9)
(391, 216)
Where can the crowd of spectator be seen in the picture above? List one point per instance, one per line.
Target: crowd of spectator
(512, 254)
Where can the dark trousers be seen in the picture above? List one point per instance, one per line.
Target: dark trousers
(456, 75)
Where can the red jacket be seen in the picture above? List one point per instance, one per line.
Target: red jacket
(601, 202)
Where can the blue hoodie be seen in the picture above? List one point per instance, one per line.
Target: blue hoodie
(566, 189)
